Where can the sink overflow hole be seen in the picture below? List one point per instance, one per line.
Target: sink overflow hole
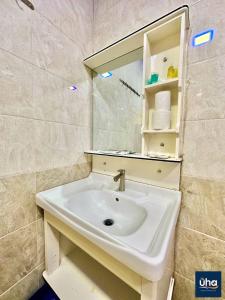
(117, 199)
(108, 222)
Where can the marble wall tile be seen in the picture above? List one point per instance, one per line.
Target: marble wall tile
(17, 147)
(17, 201)
(31, 92)
(203, 206)
(40, 241)
(40, 59)
(131, 15)
(205, 93)
(203, 149)
(178, 3)
(196, 251)
(53, 51)
(40, 269)
(211, 16)
(15, 86)
(83, 107)
(183, 288)
(23, 289)
(18, 255)
(54, 101)
(15, 29)
(60, 145)
(56, 145)
(50, 178)
(69, 17)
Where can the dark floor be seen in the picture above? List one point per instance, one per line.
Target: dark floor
(45, 293)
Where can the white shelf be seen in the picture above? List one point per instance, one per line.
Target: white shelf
(165, 41)
(167, 84)
(136, 156)
(153, 131)
(81, 277)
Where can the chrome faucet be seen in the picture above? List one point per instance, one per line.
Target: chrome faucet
(120, 176)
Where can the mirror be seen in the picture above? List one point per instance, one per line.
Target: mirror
(117, 104)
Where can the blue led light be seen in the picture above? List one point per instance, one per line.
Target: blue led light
(106, 74)
(203, 38)
(73, 87)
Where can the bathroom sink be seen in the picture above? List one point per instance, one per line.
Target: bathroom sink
(107, 211)
(135, 226)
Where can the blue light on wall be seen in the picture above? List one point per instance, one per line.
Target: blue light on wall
(73, 87)
(106, 74)
(203, 38)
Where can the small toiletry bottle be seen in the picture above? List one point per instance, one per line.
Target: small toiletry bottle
(176, 72)
(154, 78)
(170, 72)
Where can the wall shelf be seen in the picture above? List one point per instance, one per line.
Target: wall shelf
(152, 131)
(135, 156)
(164, 46)
(160, 86)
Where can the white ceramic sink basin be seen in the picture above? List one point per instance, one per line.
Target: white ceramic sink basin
(136, 226)
(113, 214)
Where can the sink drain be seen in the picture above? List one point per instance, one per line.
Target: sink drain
(108, 222)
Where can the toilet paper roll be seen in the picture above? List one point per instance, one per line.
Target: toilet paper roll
(162, 100)
(161, 119)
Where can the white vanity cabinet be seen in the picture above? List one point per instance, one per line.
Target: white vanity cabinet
(138, 248)
(79, 274)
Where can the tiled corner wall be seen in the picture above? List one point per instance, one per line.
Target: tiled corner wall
(44, 127)
(200, 243)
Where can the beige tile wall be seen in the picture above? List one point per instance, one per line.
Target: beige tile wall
(44, 127)
(22, 232)
(201, 232)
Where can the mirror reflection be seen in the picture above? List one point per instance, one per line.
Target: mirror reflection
(117, 105)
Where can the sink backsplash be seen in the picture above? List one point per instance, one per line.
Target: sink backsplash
(158, 173)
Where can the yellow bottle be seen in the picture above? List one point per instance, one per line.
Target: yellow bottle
(172, 72)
